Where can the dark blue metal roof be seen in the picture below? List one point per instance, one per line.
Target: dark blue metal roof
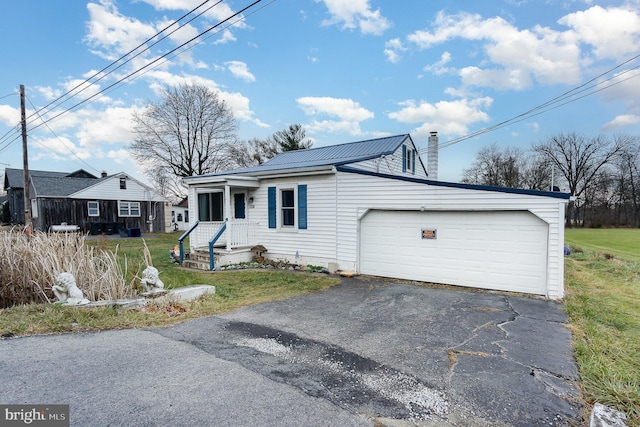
(557, 195)
(331, 155)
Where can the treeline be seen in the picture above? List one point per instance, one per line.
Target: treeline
(603, 175)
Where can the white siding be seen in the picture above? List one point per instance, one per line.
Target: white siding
(316, 244)
(392, 165)
(356, 194)
(109, 189)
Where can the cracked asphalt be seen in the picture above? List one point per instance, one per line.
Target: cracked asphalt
(363, 353)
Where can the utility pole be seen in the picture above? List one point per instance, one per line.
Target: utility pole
(25, 164)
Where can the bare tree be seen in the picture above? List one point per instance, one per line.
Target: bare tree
(292, 138)
(187, 132)
(253, 152)
(495, 167)
(578, 160)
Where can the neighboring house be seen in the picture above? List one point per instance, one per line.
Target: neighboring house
(4, 209)
(109, 204)
(180, 216)
(370, 207)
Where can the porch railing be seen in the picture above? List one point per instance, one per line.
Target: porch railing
(237, 233)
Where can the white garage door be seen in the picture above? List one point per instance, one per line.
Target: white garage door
(492, 250)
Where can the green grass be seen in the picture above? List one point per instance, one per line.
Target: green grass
(234, 289)
(603, 303)
(621, 242)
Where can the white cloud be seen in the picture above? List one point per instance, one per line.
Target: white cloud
(349, 114)
(121, 156)
(446, 117)
(622, 121)
(109, 126)
(392, 50)
(354, 14)
(112, 34)
(240, 70)
(227, 36)
(613, 32)
(9, 115)
(238, 103)
(439, 66)
(48, 92)
(520, 56)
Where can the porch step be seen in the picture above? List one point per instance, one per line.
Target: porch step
(198, 259)
(196, 264)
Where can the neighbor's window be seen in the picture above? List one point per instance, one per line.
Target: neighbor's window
(288, 208)
(210, 207)
(93, 208)
(123, 183)
(128, 208)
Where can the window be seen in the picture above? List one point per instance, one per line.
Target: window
(186, 216)
(93, 208)
(128, 208)
(288, 208)
(123, 183)
(408, 159)
(179, 217)
(210, 207)
(290, 204)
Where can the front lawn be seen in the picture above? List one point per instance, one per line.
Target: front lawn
(234, 289)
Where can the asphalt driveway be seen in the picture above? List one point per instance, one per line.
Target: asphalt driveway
(363, 353)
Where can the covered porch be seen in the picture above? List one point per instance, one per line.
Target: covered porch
(222, 220)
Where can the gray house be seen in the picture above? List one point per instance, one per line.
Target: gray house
(106, 204)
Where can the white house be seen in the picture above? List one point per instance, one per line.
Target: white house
(370, 207)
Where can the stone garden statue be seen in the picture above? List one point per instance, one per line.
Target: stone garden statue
(150, 281)
(67, 291)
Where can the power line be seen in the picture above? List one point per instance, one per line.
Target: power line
(556, 102)
(148, 65)
(97, 73)
(73, 153)
(8, 95)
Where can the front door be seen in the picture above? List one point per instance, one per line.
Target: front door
(238, 206)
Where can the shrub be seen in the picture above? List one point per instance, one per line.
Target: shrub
(30, 263)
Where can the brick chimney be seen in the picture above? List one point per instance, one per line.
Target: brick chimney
(103, 174)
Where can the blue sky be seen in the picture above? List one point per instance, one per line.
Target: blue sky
(345, 70)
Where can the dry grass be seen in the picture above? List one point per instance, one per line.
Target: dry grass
(30, 263)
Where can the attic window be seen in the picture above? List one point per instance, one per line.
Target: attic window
(408, 159)
(123, 183)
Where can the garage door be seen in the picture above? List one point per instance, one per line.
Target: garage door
(492, 250)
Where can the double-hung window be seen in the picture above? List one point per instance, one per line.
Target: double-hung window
(408, 159)
(287, 207)
(93, 208)
(129, 209)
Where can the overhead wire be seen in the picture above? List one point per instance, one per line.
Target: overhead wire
(198, 42)
(73, 153)
(556, 102)
(125, 78)
(88, 82)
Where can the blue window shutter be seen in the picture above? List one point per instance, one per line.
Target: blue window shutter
(271, 200)
(302, 207)
(404, 158)
(413, 163)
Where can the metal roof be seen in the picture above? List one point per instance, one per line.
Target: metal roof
(331, 155)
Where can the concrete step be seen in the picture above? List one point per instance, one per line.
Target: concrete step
(196, 264)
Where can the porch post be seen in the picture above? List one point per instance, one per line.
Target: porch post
(227, 213)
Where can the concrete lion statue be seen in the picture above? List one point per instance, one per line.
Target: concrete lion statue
(150, 280)
(67, 291)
